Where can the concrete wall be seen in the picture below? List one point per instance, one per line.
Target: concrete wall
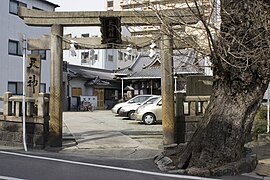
(11, 28)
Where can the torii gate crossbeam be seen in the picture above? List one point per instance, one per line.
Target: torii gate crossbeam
(91, 18)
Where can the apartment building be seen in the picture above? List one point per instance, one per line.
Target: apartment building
(11, 31)
(150, 5)
(110, 59)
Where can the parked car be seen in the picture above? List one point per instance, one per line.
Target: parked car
(129, 111)
(135, 100)
(149, 113)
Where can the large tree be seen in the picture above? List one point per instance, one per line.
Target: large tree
(239, 51)
(240, 54)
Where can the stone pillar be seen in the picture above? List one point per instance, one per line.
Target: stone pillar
(18, 108)
(180, 118)
(29, 108)
(167, 87)
(7, 104)
(204, 106)
(41, 105)
(192, 108)
(56, 86)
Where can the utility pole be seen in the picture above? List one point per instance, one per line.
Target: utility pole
(56, 86)
(167, 87)
(24, 44)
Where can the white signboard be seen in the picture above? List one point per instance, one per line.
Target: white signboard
(88, 100)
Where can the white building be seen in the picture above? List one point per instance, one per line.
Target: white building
(12, 28)
(114, 5)
(149, 5)
(111, 59)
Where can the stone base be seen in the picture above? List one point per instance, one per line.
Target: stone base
(11, 134)
(244, 165)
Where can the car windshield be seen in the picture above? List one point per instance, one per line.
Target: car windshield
(151, 100)
(139, 99)
(160, 102)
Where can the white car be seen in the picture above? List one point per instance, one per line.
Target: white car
(129, 111)
(149, 113)
(135, 100)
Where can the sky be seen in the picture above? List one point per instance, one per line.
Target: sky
(80, 5)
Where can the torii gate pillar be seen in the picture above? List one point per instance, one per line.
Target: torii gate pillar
(56, 87)
(167, 88)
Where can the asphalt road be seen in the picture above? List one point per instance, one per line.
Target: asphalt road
(95, 157)
(18, 166)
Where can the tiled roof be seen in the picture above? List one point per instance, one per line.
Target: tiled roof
(89, 73)
(144, 66)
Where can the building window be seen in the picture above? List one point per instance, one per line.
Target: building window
(15, 87)
(96, 57)
(40, 52)
(14, 48)
(110, 57)
(85, 35)
(42, 88)
(13, 6)
(109, 4)
(76, 91)
(85, 55)
(120, 55)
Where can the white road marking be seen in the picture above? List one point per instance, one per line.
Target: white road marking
(107, 167)
(256, 177)
(9, 178)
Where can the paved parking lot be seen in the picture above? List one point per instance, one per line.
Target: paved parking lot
(104, 133)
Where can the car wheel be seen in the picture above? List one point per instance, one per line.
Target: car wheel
(149, 118)
(131, 115)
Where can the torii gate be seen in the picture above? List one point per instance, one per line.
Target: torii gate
(57, 20)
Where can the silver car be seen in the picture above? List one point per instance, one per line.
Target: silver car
(135, 100)
(129, 111)
(150, 113)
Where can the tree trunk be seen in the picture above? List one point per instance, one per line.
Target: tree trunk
(241, 76)
(228, 121)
